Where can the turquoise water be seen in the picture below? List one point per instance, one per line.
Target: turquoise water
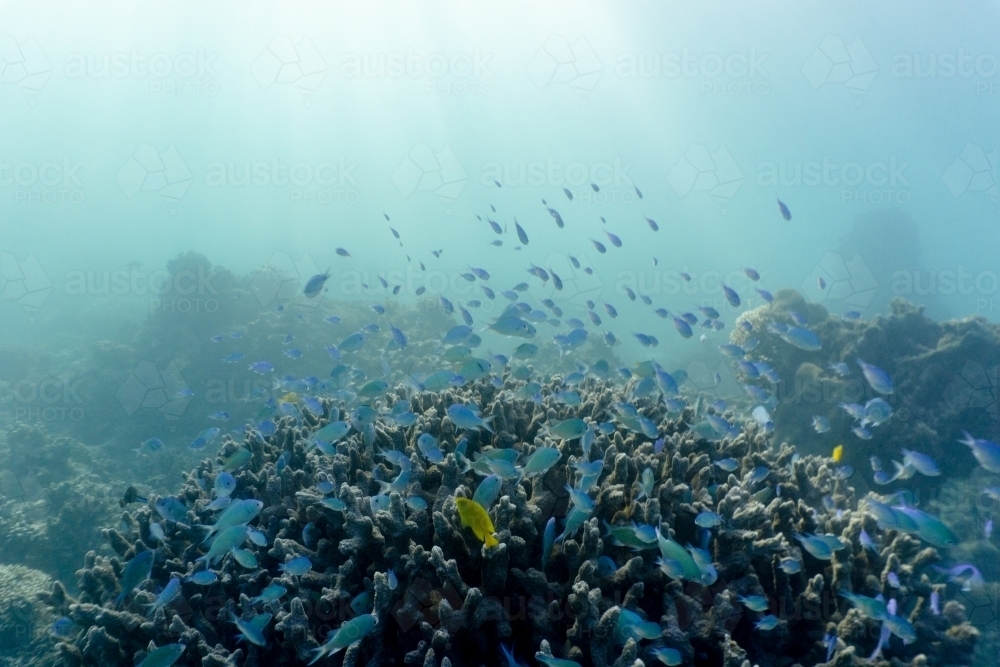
(172, 176)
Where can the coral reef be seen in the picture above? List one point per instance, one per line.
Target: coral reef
(441, 597)
(24, 619)
(54, 494)
(944, 382)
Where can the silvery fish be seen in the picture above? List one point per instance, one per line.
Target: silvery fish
(754, 602)
(541, 461)
(769, 622)
(229, 539)
(646, 483)
(245, 558)
(350, 632)
(239, 512)
(468, 418)
(870, 607)
(569, 429)
(163, 656)
(297, 566)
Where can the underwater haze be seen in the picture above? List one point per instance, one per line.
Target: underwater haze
(599, 334)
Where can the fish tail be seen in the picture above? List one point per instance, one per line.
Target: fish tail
(317, 654)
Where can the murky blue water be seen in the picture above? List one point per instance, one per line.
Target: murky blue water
(651, 155)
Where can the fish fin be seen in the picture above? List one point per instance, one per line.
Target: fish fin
(491, 541)
(317, 654)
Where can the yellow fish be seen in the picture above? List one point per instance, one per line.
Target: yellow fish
(838, 453)
(474, 516)
(290, 397)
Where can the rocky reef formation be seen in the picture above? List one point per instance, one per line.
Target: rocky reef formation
(442, 597)
(944, 380)
(25, 621)
(54, 496)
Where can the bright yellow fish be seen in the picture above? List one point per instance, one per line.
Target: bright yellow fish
(290, 397)
(474, 516)
(838, 453)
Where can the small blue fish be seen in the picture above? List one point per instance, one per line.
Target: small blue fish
(754, 602)
(580, 499)
(416, 503)
(204, 438)
(790, 565)
(877, 378)
(548, 538)
(769, 622)
(171, 509)
(153, 445)
(297, 566)
(203, 578)
(225, 483)
(728, 465)
(315, 284)
(335, 504)
(987, 452)
(271, 593)
(261, 367)
(785, 213)
(731, 296)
